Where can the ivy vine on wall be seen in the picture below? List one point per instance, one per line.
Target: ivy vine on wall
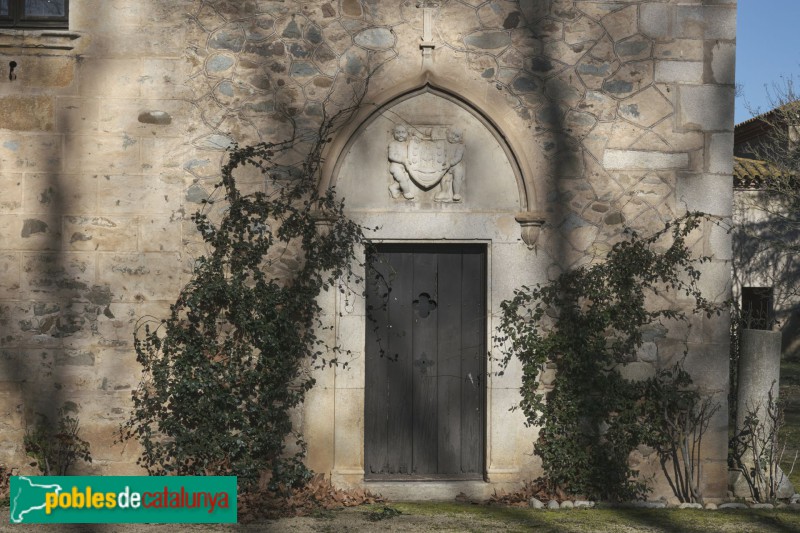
(224, 371)
(587, 324)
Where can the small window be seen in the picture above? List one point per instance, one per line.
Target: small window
(757, 307)
(34, 13)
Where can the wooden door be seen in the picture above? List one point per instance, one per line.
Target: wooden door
(425, 362)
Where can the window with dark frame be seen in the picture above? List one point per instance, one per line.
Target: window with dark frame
(757, 308)
(34, 14)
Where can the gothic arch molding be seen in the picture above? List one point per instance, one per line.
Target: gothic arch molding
(490, 115)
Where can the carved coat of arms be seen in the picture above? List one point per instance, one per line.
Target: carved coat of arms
(427, 161)
(433, 156)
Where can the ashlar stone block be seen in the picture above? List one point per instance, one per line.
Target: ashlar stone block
(706, 107)
(34, 232)
(711, 194)
(680, 49)
(100, 233)
(723, 62)
(26, 113)
(101, 154)
(9, 275)
(655, 20)
(11, 200)
(679, 72)
(101, 77)
(127, 194)
(139, 277)
(159, 234)
(57, 275)
(635, 159)
(720, 153)
(705, 22)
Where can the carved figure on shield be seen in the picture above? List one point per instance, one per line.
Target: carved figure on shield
(398, 159)
(452, 184)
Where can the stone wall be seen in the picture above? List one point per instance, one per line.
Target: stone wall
(615, 114)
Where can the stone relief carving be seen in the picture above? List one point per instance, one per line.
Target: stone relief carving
(432, 156)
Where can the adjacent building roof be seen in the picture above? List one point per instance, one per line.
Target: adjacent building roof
(752, 173)
(748, 172)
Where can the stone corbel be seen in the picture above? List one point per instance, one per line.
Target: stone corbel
(531, 225)
(324, 221)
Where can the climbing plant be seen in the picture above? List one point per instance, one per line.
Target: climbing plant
(224, 371)
(587, 324)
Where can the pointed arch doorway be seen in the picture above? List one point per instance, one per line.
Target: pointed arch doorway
(399, 418)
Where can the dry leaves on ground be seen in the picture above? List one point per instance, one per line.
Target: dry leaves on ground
(318, 494)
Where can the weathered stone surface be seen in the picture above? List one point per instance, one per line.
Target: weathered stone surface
(582, 30)
(600, 105)
(9, 276)
(648, 352)
(44, 72)
(578, 124)
(637, 371)
(11, 200)
(351, 8)
(48, 274)
(634, 48)
(161, 118)
(630, 78)
(565, 53)
(645, 108)
(488, 40)
(379, 39)
(622, 23)
(100, 233)
(218, 63)
(132, 275)
(26, 113)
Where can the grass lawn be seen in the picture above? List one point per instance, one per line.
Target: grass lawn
(790, 394)
(479, 518)
(431, 516)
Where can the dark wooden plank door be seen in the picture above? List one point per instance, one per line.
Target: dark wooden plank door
(425, 362)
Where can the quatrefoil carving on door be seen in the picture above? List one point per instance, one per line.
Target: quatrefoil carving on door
(424, 305)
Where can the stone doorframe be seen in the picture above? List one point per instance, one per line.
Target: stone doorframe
(333, 416)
